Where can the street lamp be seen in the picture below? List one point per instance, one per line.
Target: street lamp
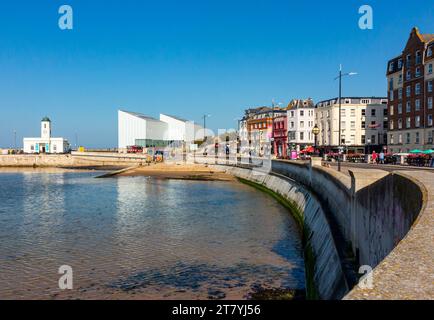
(340, 76)
(204, 125)
(315, 132)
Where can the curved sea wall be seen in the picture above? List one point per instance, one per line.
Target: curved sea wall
(324, 267)
(361, 219)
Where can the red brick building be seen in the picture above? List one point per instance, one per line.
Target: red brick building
(410, 84)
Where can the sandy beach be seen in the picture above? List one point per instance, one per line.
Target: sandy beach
(179, 171)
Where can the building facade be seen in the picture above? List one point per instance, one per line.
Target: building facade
(280, 135)
(364, 122)
(300, 122)
(410, 88)
(45, 143)
(136, 129)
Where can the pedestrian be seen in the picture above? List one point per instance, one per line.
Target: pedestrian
(382, 157)
(374, 157)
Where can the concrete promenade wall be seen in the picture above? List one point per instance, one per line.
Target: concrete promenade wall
(372, 215)
(328, 276)
(76, 159)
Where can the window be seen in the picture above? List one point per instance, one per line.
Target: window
(430, 68)
(399, 63)
(373, 111)
(429, 52)
(418, 73)
(399, 123)
(417, 138)
(400, 93)
(391, 84)
(408, 91)
(417, 88)
(353, 124)
(408, 122)
(54, 148)
(302, 134)
(400, 79)
(391, 110)
(385, 124)
(430, 120)
(400, 108)
(417, 106)
(408, 107)
(373, 139)
(391, 125)
(391, 139)
(343, 112)
(353, 111)
(292, 114)
(430, 103)
(400, 138)
(391, 65)
(407, 75)
(385, 112)
(292, 124)
(430, 86)
(408, 60)
(32, 147)
(302, 111)
(417, 122)
(363, 112)
(408, 138)
(418, 57)
(302, 122)
(363, 124)
(363, 139)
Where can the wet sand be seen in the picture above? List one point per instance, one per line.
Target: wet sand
(180, 172)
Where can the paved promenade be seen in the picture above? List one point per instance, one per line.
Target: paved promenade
(408, 271)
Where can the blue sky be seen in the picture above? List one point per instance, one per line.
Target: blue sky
(186, 58)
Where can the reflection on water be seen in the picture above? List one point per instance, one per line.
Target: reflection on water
(140, 238)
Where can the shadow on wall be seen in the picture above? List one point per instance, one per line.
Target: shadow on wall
(384, 212)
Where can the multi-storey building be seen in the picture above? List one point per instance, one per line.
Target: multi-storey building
(410, 84)
(363, 123)
(301, 120)
(280, 135)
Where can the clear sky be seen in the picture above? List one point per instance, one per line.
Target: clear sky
(186, 58)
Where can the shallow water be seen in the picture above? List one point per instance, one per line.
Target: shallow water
(142, 238)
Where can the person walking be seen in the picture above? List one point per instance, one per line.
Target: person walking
(381, 157)
(374, 157)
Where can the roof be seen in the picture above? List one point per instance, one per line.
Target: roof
(44, 119)
(140, 115)
(353, 98)
(176, 118)
(427, 37)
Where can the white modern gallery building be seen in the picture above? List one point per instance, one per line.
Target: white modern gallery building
(45, 143)
(136, 129)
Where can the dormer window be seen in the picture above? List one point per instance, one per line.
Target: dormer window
(429, 52)
(391, 67)
(399, 63)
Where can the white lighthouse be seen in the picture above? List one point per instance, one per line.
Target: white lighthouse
(46, 144)
(46, 128)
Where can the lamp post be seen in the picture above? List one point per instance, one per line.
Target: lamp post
(204, 125)
(315, 132)
(15, 139)
(340, 76)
